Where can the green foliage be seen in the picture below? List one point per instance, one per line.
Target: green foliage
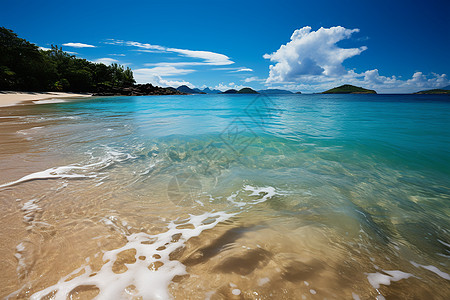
(24, 67)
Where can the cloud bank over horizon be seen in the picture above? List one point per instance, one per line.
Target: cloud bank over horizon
(313, 62)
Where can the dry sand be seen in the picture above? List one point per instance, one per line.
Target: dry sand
(13, 98)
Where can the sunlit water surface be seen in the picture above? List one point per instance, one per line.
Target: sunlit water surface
(226, 196)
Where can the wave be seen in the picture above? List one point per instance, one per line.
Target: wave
(74, 171)
(50, 101)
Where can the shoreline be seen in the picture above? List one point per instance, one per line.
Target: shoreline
(11, 98)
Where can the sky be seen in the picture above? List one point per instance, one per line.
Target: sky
(393, 46)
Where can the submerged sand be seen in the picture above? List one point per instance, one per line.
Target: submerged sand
(13, 98)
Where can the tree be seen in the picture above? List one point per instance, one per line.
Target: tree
(23, 66)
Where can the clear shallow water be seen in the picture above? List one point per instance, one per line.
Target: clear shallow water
(221, 196)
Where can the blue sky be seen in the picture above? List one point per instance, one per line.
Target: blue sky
(308, 46)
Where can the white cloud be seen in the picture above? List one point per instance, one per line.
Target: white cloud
(162, 71)
(106, 60)
(78, 45)
(311, 53)
(208, 57)
(153, 76)
(431, 81)
(251, 79)
(44, 49)
(145, 76)
(242, 70)
(173, 64)
(174, 68)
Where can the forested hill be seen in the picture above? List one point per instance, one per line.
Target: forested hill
(24, 67)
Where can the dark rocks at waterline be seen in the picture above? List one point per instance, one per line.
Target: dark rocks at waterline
(136, 90)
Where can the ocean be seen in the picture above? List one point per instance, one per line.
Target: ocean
(226, 197)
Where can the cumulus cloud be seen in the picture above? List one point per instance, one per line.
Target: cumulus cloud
(431, 81)
(311, 53)
(106, 60)
(78, 45)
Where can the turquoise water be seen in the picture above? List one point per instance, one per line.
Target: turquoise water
(345, 195)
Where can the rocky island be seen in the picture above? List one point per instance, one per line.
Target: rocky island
(245, 90)
(442, 91)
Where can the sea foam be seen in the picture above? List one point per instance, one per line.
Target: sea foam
(153, 270)
(375, 279)
(50, 101)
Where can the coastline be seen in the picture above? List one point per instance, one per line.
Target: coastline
(10, 98)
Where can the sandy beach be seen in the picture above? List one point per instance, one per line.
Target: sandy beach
(13, 98)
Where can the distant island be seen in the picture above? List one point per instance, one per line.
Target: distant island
(442, 91)
(245, 90)
(276, 92)
(209, 91)
(187, 90)
(349, 89)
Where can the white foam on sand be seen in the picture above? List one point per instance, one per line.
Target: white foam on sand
(433, 269)
(153, 270)
(29, 131)
(236, 292)
(263, 281)
(21, 265)
(74, 171)
(266, 192)
(151, 274)
(30, 208)
(375, 279)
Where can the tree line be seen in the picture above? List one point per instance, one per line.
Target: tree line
(25, 67)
